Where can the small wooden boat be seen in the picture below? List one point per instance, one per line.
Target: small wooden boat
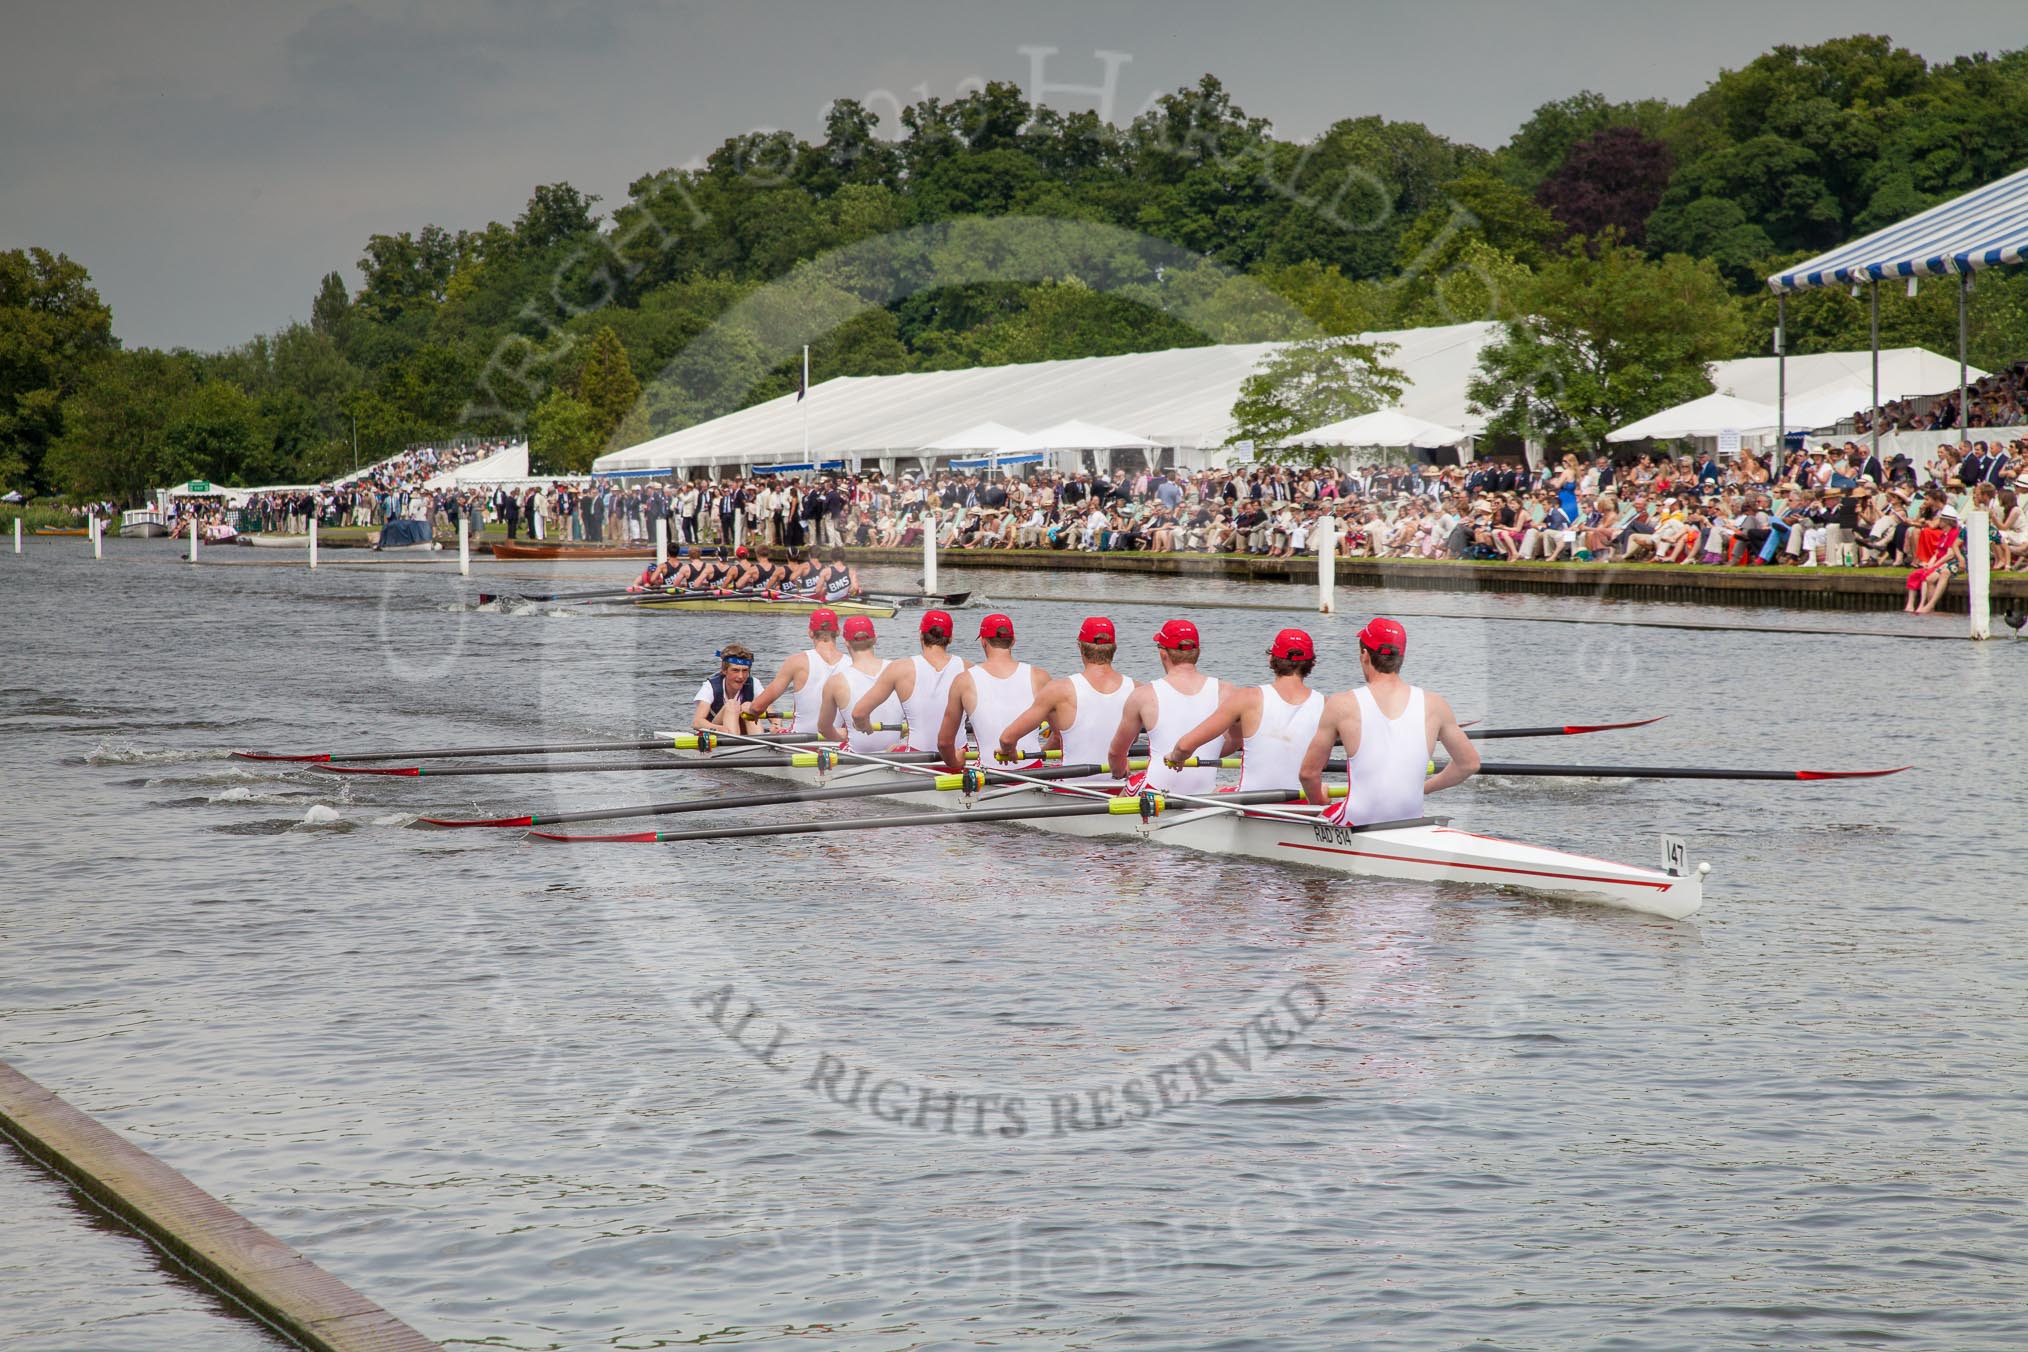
(61, 530)
(539, 550)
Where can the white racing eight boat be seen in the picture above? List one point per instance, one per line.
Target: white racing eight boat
(1428, 850)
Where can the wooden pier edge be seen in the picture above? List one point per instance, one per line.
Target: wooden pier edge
(272, 1280)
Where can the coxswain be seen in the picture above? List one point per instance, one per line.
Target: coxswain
(1275, 722)
(852, 683)
(990, 695)
(1166, 708)
(922, 683)
(1082, 709)
(805, 674)
(1389, 730)
(720, 699)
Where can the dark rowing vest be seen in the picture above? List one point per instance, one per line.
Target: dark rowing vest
(717, 684)
(837, 586)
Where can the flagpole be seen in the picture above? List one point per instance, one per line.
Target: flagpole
(806, 403)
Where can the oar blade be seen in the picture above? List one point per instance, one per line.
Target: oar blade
(307, 758)
(628, 838)
(1851, 774)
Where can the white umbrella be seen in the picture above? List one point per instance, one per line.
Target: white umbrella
(1384, 427)
(980, 438)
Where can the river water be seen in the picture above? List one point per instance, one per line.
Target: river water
(548, 1097)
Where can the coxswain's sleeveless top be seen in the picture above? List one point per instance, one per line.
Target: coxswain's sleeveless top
(1175, 714)
(809, 701)
(887, 714)
(1090, 735)
(1274, 754)
(923, 711)
(1385, 776)
(998, 701)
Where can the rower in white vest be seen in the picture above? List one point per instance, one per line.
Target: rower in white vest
(1166, 708)
(1388, 729)
(851, 683)
(991, 695)
(1275, 722)
(922, 683)
(1082, 710)
(805, 674)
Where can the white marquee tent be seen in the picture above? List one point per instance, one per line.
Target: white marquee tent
(1706, 417)
(1180, 399)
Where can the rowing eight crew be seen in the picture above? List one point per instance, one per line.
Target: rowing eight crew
(832, 579)
(1285, 731)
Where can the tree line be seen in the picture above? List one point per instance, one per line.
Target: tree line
(1625, 244)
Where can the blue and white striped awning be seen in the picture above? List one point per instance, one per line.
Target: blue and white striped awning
(985, 462)
(1985, 228)
(804, 468)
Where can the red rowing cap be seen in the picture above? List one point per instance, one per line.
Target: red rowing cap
(1096, 629)
(823, 617)
(858, 627)
(1177, 634)
(938, 623)
(1383, 636)
(1293, 645)
(996, 625)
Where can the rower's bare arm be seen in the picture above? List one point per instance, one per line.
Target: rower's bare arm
(836, 691)
(1223, 719)
(884, 687)
(1048, 703)
(1463, 751)
(700, 721)
(1133, 718)
(954, 713)
(788, 672)
(1332, 727)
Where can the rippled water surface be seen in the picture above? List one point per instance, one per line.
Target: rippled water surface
(841, 1091)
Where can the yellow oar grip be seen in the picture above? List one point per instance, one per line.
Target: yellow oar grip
(1124, 807)
(948, 782)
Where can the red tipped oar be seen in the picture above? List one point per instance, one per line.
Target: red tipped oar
(1564, 730)
(673, 742)
(794, 760)
(1672, 772)
(944, 783)
(1130, 805)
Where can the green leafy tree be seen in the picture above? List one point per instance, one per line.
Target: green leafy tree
(215, 431)
(605, 382)
(53, 330)
(1605, 338)
(563, 435)
(114, 443)
(1308, 384)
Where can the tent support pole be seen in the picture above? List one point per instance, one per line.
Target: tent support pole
(1781, 345)
(1964, 408)
(1875, 419)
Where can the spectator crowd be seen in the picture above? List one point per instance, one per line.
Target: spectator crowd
(1997, 400)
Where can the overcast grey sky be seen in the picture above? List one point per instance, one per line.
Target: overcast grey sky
(210, 160)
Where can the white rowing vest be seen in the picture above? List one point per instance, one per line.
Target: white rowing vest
(1385, 776)
(1090, 735)
(923, 711)
(1274, 754)
(809, 701)
(1175, 714)
(887, 714)
(996, 702)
